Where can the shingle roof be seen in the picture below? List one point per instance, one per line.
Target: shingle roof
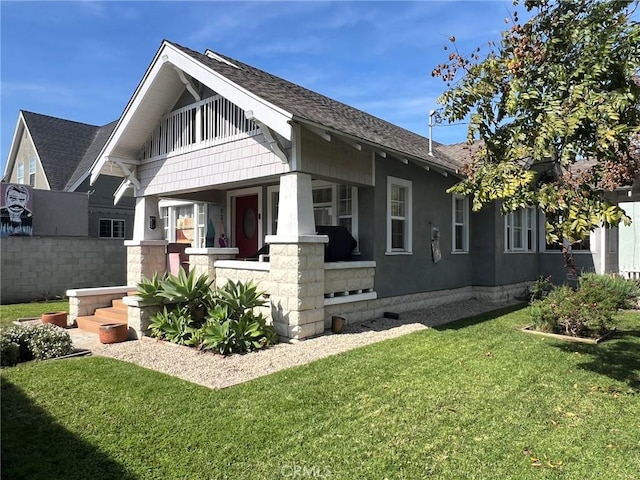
(60, 144)
(313, 107)
(64, 145)
(462, 152)
(100, 138)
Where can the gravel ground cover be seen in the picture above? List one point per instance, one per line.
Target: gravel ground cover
(216, 371)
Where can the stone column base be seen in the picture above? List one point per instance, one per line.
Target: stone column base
(144, 259)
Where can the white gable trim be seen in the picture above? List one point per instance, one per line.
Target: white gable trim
(276, 118)
(21, 126)
(13, 150)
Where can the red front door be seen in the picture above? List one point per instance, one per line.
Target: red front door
(245, 225)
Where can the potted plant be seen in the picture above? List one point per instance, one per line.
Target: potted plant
(58, 319)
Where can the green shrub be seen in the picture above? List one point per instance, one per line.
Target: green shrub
(540, 288)
(610, 291)
(19, 334)
(232, 325)
(39, 342)
(149, 288)
(570, 312)
(48, 341)
(9, 352)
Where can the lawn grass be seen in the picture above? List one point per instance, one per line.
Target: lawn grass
(9, 313)
(477, 399)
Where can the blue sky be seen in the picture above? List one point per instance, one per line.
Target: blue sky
(83, 60)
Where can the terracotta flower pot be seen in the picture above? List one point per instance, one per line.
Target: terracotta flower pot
(58, 319)
(114, 333)
(337, 324)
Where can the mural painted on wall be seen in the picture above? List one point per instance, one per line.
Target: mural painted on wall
(16, 211)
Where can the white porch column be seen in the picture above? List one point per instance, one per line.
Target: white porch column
(146, 211)
(296, 262)
(146, 252)
(295, 208)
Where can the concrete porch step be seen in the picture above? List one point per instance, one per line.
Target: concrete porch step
(117, 313)
(119, 304)
(91, 323)
(112, 313)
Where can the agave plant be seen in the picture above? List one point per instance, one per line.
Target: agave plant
(239, 297)
(149, 289)
(173, 325)
(248, 333)
(189, 289)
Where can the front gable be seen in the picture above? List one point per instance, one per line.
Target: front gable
(171, 73)
(23, 153)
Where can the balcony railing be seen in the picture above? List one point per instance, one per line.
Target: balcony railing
(212, 121)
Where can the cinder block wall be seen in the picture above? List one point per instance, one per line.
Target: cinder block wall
(36, 267)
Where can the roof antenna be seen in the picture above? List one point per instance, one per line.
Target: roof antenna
(434, 116)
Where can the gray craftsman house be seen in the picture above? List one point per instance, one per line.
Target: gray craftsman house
(256, 175)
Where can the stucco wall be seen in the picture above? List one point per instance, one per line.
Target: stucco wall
(511, 267)
(60, 213)
(35, 267)
(432, 207)
(482, 246)
(552, 263)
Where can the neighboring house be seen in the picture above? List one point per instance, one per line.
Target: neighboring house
(54, 154)
(629, 240)
(209, 145)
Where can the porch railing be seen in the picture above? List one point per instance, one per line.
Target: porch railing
(211, 121)
(630, 272)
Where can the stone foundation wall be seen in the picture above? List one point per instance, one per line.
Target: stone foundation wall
(358, 312)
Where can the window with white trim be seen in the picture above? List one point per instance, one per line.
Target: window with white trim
(346, 199)
(32, 171)
(582, 246)
(332, 205)
(460, 224)
(323, 211)
(111, 228)
(520, 230)
(398, 215)
(20, 173)
(166, 222)
(188, 222)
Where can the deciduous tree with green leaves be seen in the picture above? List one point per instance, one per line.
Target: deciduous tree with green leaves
(556, 106)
